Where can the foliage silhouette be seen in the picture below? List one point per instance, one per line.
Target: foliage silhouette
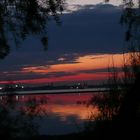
(125, 120)
(131, 18)
(21, 18)
(126, 123)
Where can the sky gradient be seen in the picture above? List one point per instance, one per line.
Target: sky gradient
(81, 49)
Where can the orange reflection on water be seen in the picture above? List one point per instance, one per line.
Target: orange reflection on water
(63, 105)
(79, 111)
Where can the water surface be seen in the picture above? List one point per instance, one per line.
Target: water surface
(61, 113)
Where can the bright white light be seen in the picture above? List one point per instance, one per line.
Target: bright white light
(17, 97)
(0, 88)
(16, 85)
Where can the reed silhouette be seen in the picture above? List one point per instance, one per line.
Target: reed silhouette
(125, 120)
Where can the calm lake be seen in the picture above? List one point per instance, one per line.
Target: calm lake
(61, 113)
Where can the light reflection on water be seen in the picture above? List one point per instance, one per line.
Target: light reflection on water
(61, 113)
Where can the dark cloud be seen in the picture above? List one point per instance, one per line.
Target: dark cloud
(94, 29)
(25, 76)
(89, 31)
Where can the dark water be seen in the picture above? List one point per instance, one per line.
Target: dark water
(60, 113)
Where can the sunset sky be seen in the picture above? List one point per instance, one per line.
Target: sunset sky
(81, 49)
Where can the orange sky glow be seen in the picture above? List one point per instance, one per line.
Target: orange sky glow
(88, 62)
(78, 67)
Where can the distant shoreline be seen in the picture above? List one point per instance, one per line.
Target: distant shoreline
(59, 91)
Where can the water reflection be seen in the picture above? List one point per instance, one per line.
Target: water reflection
(14, 121)
(60, 113)
(66, 113)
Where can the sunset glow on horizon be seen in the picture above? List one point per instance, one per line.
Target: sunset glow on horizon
(87, 62)
(84, 68)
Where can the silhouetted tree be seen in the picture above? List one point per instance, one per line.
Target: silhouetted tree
(20, 18)
(131, 19)
(125, 120)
